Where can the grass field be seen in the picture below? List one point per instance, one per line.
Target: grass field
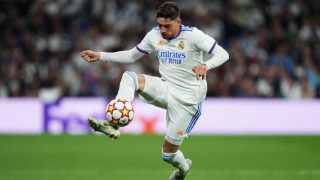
(139, 158)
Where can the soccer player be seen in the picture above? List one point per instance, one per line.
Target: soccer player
(182, 86)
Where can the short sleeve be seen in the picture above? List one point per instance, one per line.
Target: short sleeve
(145, 46)
(203, 41)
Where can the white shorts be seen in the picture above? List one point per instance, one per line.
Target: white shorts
(180, 118)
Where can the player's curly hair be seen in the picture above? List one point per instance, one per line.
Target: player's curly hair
(169, 10)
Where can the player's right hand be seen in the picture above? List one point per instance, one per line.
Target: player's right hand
(90, 56)
(201, 71)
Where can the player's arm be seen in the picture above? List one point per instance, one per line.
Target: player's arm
(128, 56)
(207, 44)
(220, 56)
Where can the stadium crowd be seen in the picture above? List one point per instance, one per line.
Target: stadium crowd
(274, 45)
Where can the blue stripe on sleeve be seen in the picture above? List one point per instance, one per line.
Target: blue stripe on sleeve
(214, 45)
(143, 51)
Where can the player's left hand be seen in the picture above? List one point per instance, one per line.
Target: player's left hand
(201, 71)
(90, 56)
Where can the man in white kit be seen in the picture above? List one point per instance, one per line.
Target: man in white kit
(182, 86)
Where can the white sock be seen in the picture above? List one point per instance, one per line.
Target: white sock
(128, 86)
(176, 159)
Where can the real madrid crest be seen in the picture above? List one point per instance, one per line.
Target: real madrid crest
(181, 45)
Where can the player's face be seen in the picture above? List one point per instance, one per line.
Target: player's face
(169, 28)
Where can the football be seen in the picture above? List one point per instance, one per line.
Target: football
(119, 112)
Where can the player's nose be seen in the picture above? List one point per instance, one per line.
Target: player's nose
(162, 30)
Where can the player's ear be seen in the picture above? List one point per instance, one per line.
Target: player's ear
(178, 20)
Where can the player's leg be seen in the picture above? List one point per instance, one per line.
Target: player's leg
(148, 87)
(130, 82)
(180, 120)
(104, 127)
(172, 155)
(153, 90)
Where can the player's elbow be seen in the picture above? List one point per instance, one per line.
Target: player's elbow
(225, 55)
(222, 54)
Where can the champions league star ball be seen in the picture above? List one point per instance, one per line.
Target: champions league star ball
(119, 112)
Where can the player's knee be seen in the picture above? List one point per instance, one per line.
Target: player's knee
(141, 82)
(169, 147)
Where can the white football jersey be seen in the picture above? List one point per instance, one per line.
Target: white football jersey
(177, 57)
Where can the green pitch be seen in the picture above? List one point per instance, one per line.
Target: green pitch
(139, 158)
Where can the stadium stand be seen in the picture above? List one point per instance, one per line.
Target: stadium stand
(274, 45)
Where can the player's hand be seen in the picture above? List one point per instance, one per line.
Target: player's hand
(201, 71)
(90, 56)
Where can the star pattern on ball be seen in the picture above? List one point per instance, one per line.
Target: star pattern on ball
(119, 112)
(111, 108)
(125, 112)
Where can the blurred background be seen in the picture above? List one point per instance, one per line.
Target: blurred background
(260, 121)
(274, 45)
